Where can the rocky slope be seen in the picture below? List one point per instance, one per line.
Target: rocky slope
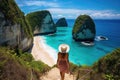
(41, 22)
(108, 67)
(84, 29)
(20, 66)
(14, 29)
(61, 23)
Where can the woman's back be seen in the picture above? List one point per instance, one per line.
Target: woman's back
(62, 56)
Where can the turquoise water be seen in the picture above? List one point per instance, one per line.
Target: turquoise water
(87, 55)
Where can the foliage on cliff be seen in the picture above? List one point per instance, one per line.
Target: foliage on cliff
(12, 13)
(108, 67)
(83, 20)
(19, 66)
(36, 18)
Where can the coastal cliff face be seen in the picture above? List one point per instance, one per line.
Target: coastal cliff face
(14, 30)
(84, 29)
(61, 23)
(41, 22)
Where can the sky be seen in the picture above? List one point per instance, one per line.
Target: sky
(71, 9)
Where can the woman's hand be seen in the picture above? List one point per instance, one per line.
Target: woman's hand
(58, 63)
(57, 66)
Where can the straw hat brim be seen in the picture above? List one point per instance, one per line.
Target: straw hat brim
(63, 46)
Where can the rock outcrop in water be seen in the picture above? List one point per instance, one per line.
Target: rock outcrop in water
(61, 23)
(14, 30)
(41, 22)
(84, 29)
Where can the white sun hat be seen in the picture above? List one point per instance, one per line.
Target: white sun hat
(64, 46)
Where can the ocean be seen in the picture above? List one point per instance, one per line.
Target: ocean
(87, 55)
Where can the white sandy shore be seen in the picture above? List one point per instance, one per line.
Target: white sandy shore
(43, 52)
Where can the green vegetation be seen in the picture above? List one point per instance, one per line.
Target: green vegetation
(20, 66)
(108, 67)
(83, 20)
(80, 71)
(35, 19)
(74, 68)
(12, 13)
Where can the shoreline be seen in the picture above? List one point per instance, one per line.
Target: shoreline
(43, 52)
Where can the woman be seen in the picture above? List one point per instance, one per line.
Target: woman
(62, 61)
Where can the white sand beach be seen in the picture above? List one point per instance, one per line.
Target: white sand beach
(43, 52)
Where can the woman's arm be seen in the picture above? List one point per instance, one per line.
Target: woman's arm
(68, 62)
(58, 61)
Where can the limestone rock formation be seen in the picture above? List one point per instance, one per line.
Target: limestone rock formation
(84, 29)
(41, 22)
(14, 30)
(61, 23)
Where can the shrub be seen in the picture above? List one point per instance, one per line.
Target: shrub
(19, 67)
(108, 66)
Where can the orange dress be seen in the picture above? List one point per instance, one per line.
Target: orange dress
(63, 62)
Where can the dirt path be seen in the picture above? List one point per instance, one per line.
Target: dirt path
(54, 74)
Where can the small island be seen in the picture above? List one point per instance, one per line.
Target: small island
(84, 30)
(62, 23)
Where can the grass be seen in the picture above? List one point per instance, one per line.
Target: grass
(14, 66)
(108, 67)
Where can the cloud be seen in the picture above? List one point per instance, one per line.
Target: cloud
(60, 16)
(57, 11)
(107, 15)
(40, 3)
(73, 13)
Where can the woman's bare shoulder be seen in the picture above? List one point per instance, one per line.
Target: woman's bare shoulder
(59, 53)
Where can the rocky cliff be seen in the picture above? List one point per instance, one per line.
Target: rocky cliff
(61, 23)
(41, 22)
(14, 29)
(84, 29)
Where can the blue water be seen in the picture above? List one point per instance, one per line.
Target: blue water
(86, 55)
